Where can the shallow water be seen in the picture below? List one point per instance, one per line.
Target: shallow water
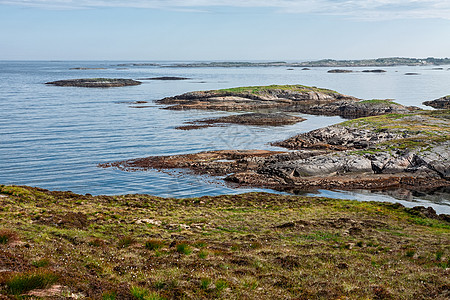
(54, 137)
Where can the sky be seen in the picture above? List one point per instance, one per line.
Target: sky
(288, 30)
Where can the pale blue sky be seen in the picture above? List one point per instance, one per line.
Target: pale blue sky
(222, 29)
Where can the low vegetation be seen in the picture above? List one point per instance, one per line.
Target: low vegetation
(258, 90)
(250, 246)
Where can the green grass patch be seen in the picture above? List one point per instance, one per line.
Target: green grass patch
(258, 90)
(184, 248)
(24, 282)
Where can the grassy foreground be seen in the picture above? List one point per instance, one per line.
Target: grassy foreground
(252, 246)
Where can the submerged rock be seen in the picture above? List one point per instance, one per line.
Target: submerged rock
(441, 103)
(95, 82)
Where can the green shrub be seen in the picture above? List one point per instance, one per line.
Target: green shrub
(154, 244)
(410, 252)
(139, 292)
(144, 294)
(221, 285)
(203, 254)
(184, 248)
(24, 282)
(126, 241)
(204, 283)
(41, 263)
(439, 254)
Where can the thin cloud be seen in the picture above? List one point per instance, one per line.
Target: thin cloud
(361, 9)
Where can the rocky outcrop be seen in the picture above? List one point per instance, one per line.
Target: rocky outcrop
(289, 98)
(95, 82)
(338, 137)
(357, 109)
(441, 103)
(393, 151)
(257, 119)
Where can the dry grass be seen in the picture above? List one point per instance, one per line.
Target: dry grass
(250, 246)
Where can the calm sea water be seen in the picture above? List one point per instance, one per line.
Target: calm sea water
(54, 137)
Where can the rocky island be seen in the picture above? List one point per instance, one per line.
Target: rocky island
(410, 150)
(95, 82)
(284, 98)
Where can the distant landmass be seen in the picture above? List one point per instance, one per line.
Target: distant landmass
(376, 62)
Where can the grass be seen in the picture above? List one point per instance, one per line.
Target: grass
(126, 241)
(23, 282)
(275, 246)
(184, 248)
(258, 90)
(379, 101)
(154, 244)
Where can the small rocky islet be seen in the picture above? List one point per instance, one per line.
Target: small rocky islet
(95, 82)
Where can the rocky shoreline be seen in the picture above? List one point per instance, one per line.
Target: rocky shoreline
(283, 98)
(410, 151)
(441, 103)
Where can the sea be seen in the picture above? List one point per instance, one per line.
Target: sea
(54, 137)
